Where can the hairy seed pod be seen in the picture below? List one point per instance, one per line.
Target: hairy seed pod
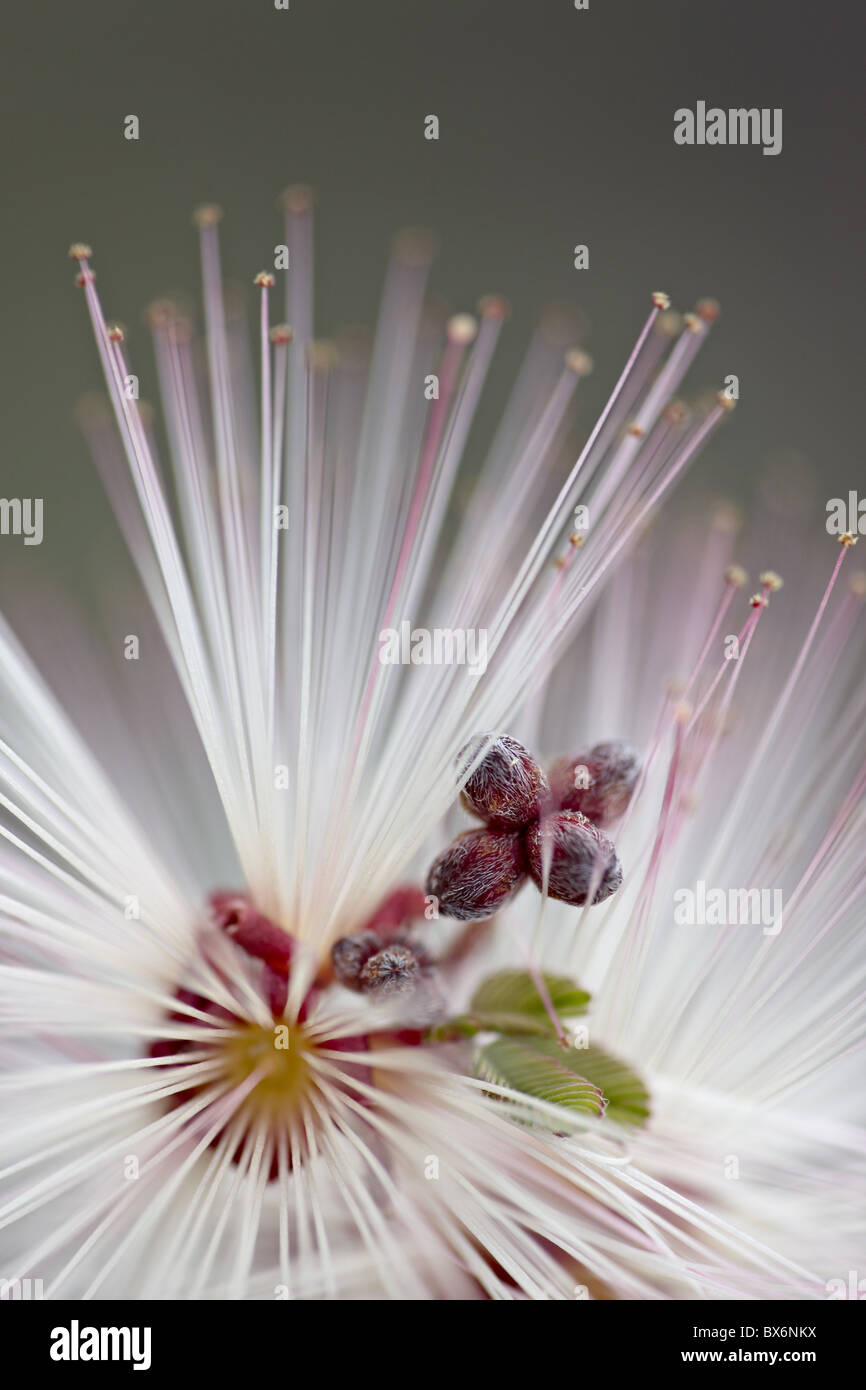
(350, 954)
(598, 783)
(385, 928)
(392, 971)
(580, 856)
(478, 873)
(508, 788)
(365, 963)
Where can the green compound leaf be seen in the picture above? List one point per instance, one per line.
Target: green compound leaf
(529, 1057)
(514, 992)
(541, 1067)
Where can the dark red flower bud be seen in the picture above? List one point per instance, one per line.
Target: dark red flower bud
(598, 783)
(391, 971)
(256, 934)
(508, 788)
(580, 856)
(362, 962)
(350, 954)
(478, 873)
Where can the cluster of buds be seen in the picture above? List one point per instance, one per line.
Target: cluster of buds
(382, 958)
(550, 828)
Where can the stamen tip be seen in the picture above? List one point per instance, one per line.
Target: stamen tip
(321, 355)
(708, 310)
(736, 576)
(676, 412)
(207, 215)
(578, 361)
(161, 313)
(414, 248)
(727, 518)
(298, 198)
(462, 329)
(494, 306)
(669, 324)
(661, 300)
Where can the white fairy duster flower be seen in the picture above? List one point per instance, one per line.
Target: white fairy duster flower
(241, 1059)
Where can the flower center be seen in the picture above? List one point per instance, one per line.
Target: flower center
(265, 1074)
(279, 1057)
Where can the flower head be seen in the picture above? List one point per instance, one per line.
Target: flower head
(246, 1054)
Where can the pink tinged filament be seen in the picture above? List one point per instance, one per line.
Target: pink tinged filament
(775, 718)
(451, 359)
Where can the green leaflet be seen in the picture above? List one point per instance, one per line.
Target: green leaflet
(515, 992)
(626, 1095)
(579, 1078)
(541, 1067)
(509, 1002)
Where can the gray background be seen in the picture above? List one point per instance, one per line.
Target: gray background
(556, 128)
